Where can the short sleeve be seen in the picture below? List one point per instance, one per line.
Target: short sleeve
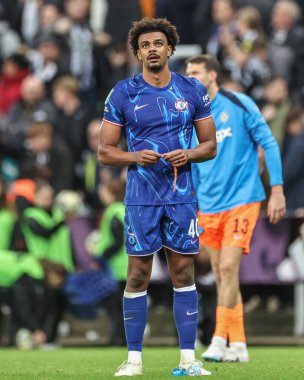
(202, 109)
(113, 110)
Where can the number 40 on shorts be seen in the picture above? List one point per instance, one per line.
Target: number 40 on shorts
(193, 228)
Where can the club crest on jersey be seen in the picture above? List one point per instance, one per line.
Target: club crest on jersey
(224, 117)
(181, 105)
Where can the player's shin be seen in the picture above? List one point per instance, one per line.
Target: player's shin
(185, 309)
(135, 308)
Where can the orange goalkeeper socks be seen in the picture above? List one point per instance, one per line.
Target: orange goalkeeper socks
(236, 331)
(223, 317)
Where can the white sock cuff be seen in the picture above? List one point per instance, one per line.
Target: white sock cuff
(134, 295)
(186, 356)
(185, 289)
(134, 357)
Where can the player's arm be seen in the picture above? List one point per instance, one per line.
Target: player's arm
(110, 154)
(261, 134)
(204, 151)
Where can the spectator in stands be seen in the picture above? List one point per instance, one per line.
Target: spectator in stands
(286, 46)
(89, 173)
(47, 60)
(263, 6)
(256, 71)
(32, 106)
(48, 157)
(9, 39)
(15, 68)
(45, 232)
(276, 107)
(293, 159)
(237, 45)
(72, 116)
(49, 14)
(223, 14)
(78, 37)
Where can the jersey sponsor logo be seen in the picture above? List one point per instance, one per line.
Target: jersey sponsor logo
(224, 117)
(137, 107)
(181, 105)
(222, 134)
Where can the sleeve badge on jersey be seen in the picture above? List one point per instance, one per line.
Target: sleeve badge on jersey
(181, 105)
(206, 99)
(224, 117)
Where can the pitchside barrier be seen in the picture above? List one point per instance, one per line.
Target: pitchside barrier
(277, 257)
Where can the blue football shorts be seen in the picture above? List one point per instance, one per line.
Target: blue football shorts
(149, 228)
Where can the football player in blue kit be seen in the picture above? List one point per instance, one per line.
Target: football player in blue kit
(157, 110)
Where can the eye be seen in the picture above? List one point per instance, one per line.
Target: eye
(145, 45)
(158, 43)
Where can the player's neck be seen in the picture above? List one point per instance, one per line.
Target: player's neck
(161, 79)
(213, 90)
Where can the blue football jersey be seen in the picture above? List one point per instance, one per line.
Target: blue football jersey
(159, 119)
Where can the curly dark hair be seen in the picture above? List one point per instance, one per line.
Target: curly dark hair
(148, 25)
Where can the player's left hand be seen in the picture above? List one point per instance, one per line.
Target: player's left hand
(277, 205)
(176, 157)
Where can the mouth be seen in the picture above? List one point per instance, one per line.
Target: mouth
(153, 58)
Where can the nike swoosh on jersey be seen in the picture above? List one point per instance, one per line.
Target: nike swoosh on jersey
(137, 107)
(191, 312)
(125, 319)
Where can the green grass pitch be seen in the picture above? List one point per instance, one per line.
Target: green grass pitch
(266, 363)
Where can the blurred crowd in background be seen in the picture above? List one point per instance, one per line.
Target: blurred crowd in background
(59, 60)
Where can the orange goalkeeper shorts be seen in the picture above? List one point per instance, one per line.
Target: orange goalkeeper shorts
(231, 228)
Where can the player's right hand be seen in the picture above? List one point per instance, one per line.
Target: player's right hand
(147, 157)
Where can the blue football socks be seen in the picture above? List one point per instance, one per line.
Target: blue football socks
(185, 309)
(135, 309)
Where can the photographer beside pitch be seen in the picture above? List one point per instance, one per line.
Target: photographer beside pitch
(230, 192)
(157, 111)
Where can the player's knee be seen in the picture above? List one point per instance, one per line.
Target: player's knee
(227, 268)
(138, 280)
(183, 278)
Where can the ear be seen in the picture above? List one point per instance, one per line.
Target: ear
(169, 51)
(139, 55)
(213, 75)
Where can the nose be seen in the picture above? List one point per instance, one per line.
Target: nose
(152, 48)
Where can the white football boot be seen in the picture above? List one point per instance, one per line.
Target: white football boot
(129, 369)
(215, 352)
(195, 368)
(236, 353)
